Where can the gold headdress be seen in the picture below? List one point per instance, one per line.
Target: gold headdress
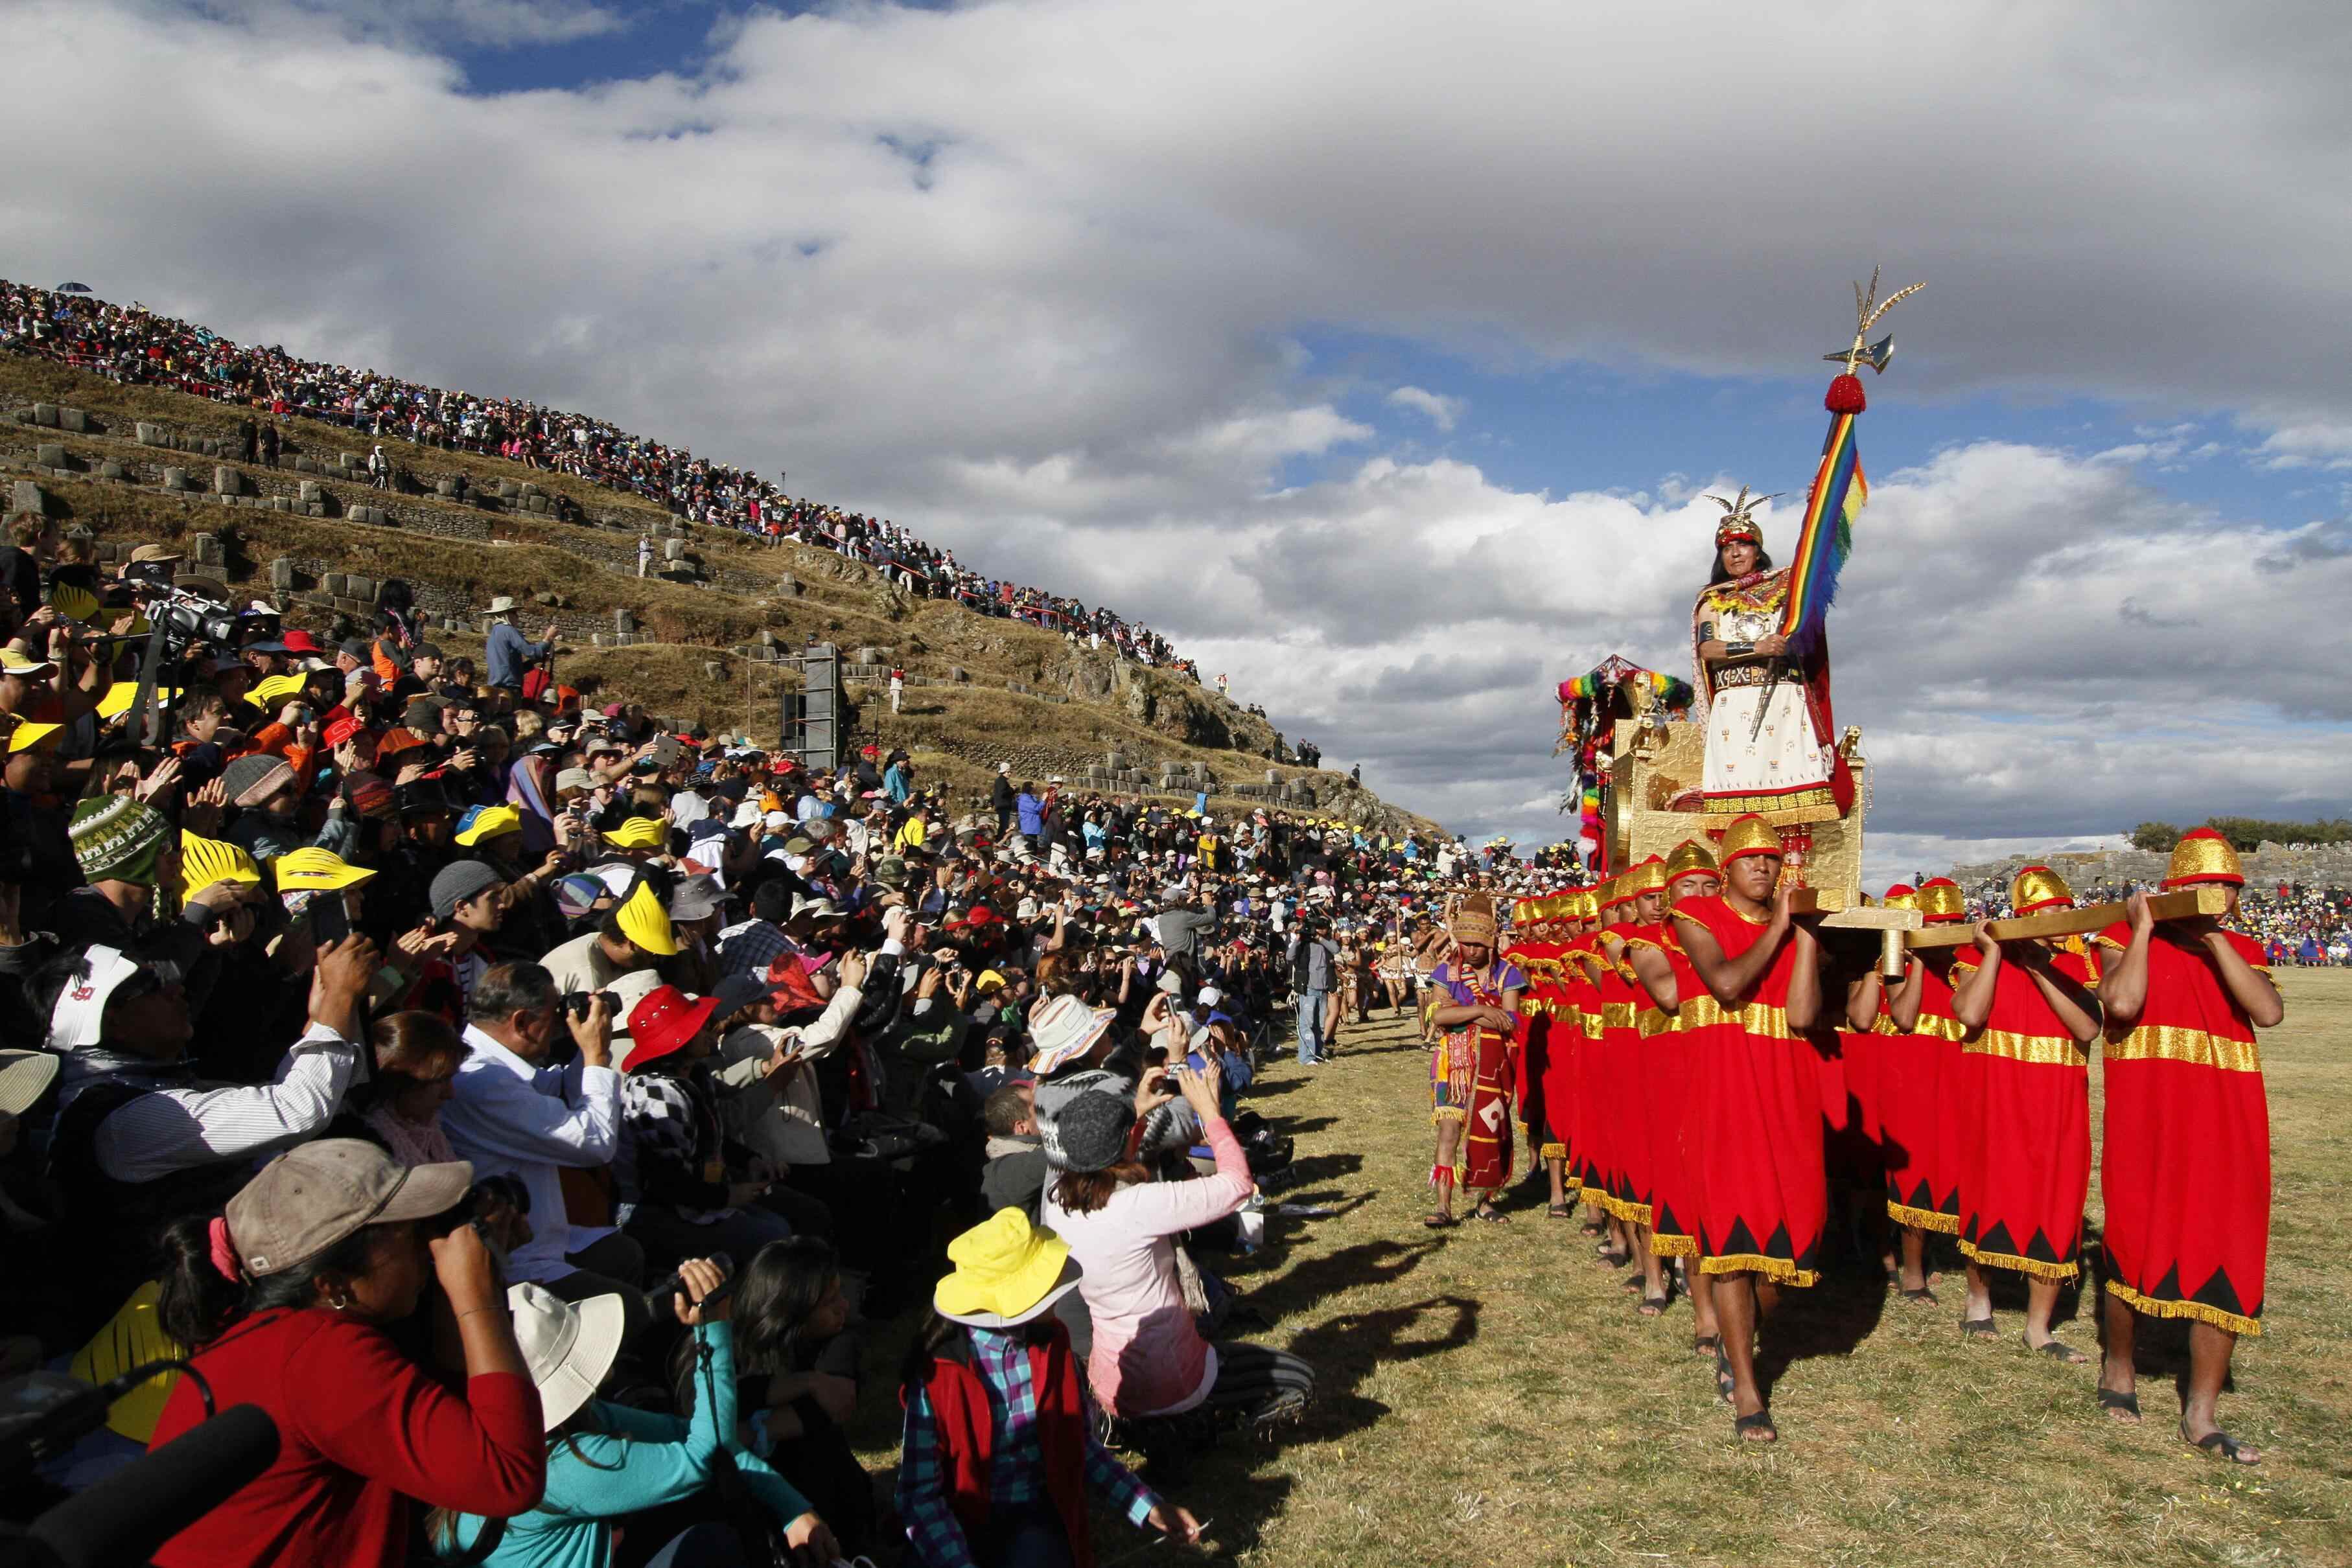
(2039, 887)
(1646, 876)
(1941, 901)
(1738, 523)
(1750, 836)
(2203, 855)
(1690, 855)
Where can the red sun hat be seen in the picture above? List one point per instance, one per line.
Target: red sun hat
(300, 642)
(663, 1022)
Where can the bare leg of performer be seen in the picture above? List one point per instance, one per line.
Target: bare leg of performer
(1978, 1309)
(1653, 1274)
(1706, 1325)
(2041, 1302)
(1740, 1301)
(1449, 1139)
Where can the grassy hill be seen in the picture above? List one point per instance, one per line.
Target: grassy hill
(708, 641)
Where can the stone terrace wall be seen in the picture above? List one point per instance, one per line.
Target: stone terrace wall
(2326, 865)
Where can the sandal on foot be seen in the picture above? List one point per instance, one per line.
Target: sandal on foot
(2059, 1351)
(1759, 1423)
(1441, 1222)
(1559, 1211)
(1977, 1328)
(1727, 1385)
(2217, 1445)
(1924, 1296)
(1654, 1306)
(2122, 1403)
(1706, 1344)
(1615, 1259)
(1490, 1215)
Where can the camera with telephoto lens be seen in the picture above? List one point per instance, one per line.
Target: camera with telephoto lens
(577, 1003)
(188, 617)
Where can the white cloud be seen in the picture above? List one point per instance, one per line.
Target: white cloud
(1436, 407)
(1034, 278)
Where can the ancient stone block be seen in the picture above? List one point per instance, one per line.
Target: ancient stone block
(307, 490)
(281, 574)
(361, 588)
(46, 415)
(148, 434)
(27, 496)
(74, 420)
(50, 454)
(228, 481)
(673, 549)
(204, 550)
(306, 464)
(111, 469)
(336, 584)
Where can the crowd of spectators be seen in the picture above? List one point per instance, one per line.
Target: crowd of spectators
(530, 1108)
(138, 347)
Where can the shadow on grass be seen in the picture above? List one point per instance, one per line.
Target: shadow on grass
(1830, 1320)
(1298, 1126)
(1345, 1350)
(1324, 1167)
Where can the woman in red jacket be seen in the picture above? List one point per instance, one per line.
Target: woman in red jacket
(284, 1299)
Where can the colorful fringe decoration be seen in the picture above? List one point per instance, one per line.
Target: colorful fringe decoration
(1589, 711)
(1840, 491)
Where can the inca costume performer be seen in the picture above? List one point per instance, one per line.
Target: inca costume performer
(1574, 1026)
(1916, 1065)
(2185, 1167)
(1470, 1069)
(1941, 903)
(1770, 746)
(1762, 1203)
(1535, 954)
(2031, 1015)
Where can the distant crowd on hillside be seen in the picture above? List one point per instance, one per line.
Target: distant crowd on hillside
(136, 346)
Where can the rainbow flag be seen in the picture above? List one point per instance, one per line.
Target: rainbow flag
(1840, 492)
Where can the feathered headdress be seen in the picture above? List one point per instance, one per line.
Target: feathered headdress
(1737, 521)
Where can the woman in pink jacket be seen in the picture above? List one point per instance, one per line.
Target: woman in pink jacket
(1149, 1358)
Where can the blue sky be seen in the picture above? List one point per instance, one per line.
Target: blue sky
(1377, 353)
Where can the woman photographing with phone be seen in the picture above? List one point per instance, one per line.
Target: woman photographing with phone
(1149, 1358)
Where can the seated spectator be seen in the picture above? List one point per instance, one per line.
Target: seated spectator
(138, 1141)
(695, 1190)
(284, 1300)
(1149, 1358)
(634, 935)
(798, 1360)
(610, 1465)
(1000, 1454)
(515, 1112)
(1014, 1177)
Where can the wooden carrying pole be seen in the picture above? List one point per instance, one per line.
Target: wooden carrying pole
(2180, 905)
(1893, 925)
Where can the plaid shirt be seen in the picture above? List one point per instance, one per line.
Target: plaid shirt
(1017, 1472)
(751, 947)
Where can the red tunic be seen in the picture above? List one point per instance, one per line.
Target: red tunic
(2027, 1167)
(1617, 1111)
(1666, 1106)
(1534, 961)
(1916, 1072)
(1756, 1161)
(2185, 1163)
(1586, 1134)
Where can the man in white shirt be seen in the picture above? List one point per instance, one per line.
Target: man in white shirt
(514, 1112)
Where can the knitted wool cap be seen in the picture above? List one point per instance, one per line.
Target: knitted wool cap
(118, 838)
(1092, 1131)
(459, 881)
(250, 780)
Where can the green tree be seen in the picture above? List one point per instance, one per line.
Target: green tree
(2157, 837)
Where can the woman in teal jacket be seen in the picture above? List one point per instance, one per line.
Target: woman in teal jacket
(606, 1462)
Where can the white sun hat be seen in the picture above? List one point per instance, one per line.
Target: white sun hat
(568, 1348)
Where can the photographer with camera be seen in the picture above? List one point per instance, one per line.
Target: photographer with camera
(284, 1298)
(511, 1116)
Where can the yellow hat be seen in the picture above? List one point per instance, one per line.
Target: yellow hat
(1646, 876)
(1902, 897)
(644, 922)
(2203, 855)
(72, 601)
(1750, 835)
(2039, 887)
(30, 735)
(1007, 1271)
(275, 689)
(989, 980)
(316, 871)
(119, 697)
(1612, 894)
(16, 660)
(636, 833)
(1690, 855)
(488, 822)
(204, 861)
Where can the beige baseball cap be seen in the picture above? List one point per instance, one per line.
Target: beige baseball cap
(313, 1196)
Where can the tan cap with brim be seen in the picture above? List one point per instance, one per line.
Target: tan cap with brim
(312, 1197)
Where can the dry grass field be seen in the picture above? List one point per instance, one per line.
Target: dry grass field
(1490, 1395)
